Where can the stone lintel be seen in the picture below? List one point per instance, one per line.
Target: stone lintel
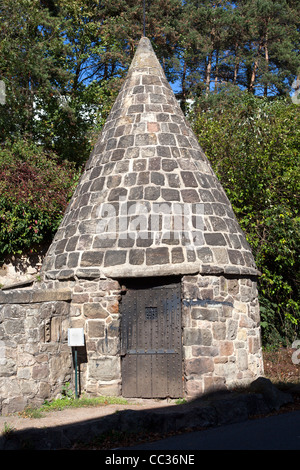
(34, 296)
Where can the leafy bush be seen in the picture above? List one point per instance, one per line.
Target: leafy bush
(35, 188)
(253, 144)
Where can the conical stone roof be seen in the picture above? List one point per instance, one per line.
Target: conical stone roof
(148, 203)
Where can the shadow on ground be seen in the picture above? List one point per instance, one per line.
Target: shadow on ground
(216, 409)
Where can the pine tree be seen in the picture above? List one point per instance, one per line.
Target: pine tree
(269, 52)
(30, 64)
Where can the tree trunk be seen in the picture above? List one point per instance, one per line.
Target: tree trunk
(217, 72)
(254, 71)
(208, 74)
(267, 63)
(183, 89)
(236, 65)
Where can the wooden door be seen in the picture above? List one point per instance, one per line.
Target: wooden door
(151, 345)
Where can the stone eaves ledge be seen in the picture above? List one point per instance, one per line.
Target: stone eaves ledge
(116, 272)
(34, 296)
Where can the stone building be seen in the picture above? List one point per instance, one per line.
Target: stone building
(149, 261)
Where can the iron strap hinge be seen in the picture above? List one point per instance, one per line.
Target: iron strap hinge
(152, 351)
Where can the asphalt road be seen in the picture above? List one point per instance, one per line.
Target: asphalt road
(277, 432)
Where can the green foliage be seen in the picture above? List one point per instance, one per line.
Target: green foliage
(253, 144)
(35, 188)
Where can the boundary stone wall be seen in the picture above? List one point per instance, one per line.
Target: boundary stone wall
(35, 360)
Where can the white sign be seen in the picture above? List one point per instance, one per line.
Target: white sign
(75, 337)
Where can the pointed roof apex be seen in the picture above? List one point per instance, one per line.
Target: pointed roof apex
(148, 203)
(144, 56)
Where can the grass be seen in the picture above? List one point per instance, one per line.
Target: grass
(8, 429)
(70, 402)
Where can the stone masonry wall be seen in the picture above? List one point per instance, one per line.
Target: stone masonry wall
(220, 328)
(95, 308)
(35, 360)
(221, 333)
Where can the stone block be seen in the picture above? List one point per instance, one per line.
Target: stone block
(236, 257)
(197, 336)
(232, 329)
(199, 366)
(115, 257)
(108, 346)
(60, 261)
(177, 255)
(219, 331)
(157, 256)
(104, 368)
(117, 154)
(111, 144)
(140, 165)
(143, 178)
(213, 384)
(126, 141)
(113, 328)
(221, 256)
(157, 178)
(13, 405)
(174, 182)
(92, 258)
(115, 195)
(194, 388)
(135, 108)
(71, 245)
(103, 240)
(14, 327)
(138, 89)
(190, 195)
(210, 314)
(242, 359)
(8, 367)
(110, 390)
(94, 310)
(136, 193)
(150, 80)
(211, 351)
(145, 139)
(60, 367)
(40, 371)
(166, 139)
(189, 179)
(153, 127)
(226, 348)
(170, 194)
(157, 98)
(214, 239)
(152, 193)
(136, 257)
(205, 254)
(95, 328)
(113, 181)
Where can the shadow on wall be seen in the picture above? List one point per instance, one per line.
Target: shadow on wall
(17, 268)
(214, 409)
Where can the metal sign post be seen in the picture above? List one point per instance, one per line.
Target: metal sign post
(75, 339)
